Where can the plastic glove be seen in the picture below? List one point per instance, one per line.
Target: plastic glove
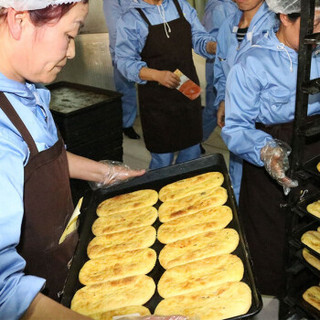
(116, 172)
(153, 317)
(275, 157)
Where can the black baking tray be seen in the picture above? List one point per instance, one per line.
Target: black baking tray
(156, 179)
(311, 166)
(303, 203)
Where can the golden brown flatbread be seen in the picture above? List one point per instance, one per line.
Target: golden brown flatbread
(318, 166)
(142, 311)
(202, 221)
(200, 275)
(138, 238)
(314, 208)
(116, 266)
(128, 201)
(110, 295)
(198, 247)
(312, 296)
(189, 186)
(125, 220)
(175, 209)
(312, 240)
(224, 301)
(311, 259)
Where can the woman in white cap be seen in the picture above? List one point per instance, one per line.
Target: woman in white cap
(260, 109)
(37, 39)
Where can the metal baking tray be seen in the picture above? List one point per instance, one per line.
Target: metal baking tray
(311, 166)
(156, 179)
(302, 205)
(314, 270)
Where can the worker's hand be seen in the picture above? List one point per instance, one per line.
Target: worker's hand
(211, 47)
(115, 173)
(168, 79)
(221, 114)
(275, 157)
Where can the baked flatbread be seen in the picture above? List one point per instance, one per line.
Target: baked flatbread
(128, 201)
(110, 295)
(314, 208)
(311, 259)
(220, 302)
(125, 220)
(188, 186)
(318, 166)
(138, 238)
(142, 311)
(202, 221)
(312, 296)
(116, 266)
(200, 275)
(198, 247)
(312, 240)
(175, 209)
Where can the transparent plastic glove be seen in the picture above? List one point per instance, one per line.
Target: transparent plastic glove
(275, 157)
(116, 172)
(154, 317)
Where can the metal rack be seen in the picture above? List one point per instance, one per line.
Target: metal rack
(299, 276)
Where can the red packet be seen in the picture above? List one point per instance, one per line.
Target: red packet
(187, 86)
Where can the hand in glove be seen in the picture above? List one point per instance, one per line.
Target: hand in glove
(275, 157)
(115, 173)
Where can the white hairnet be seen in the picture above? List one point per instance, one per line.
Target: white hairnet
(284, 6)
(32, 4)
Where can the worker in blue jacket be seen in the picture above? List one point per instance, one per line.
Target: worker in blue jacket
(154, 38)
(113, 9)
(215, 13)
(260, 109)
(235, 36)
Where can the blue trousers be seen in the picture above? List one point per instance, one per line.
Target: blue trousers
(160, 160)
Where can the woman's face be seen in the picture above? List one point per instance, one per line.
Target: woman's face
(47, 48)
(293, 34)
(248, 5)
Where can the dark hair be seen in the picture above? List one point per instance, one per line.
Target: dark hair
(51, 13)
(292, 16)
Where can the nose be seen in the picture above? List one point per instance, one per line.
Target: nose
(71, 52)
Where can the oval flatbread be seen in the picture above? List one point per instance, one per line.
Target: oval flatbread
(312, 296)
(314, 208)
(311, 259)
(312, 240)
(121, 265)
(110, 295)
(227, 300)
(198, 247)
(189, 186)
(318, 166)
(128, 240)
(128, 201)
(193, 224)
(175, 209)
(125, 220)
(200, 275)
(108, 315)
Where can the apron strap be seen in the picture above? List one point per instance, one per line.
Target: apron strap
(178, 8)
(12, 114)
(144, 17)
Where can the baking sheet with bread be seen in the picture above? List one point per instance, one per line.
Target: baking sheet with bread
(196, 254)
(312, 296)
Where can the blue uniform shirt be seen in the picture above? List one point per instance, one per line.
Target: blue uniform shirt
(32, 104)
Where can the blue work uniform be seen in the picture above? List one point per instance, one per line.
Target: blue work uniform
(113, 9)
(260, 106)
(228, 51)
(215, 13)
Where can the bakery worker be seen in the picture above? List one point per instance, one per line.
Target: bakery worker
(235, 36)
(215, 13)
(113, 10)
(154, 38)
(260, 108)
(37, 39)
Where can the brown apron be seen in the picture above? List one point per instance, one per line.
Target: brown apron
(263, 209)
(170, 121)
(47, 209)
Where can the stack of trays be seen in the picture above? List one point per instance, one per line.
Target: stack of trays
(200, 253)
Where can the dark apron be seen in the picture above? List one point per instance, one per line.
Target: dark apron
(263, 210)
(170, 121)
(47, 209)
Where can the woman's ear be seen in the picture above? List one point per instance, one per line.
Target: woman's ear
(284, 19)
(15, 21)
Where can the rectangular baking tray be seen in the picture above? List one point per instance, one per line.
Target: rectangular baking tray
(311, 166)
(156, 179)
(303, 203)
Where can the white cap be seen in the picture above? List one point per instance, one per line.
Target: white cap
(282, 6)
(32, 4)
